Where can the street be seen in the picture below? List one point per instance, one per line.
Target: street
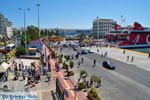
(126, 82)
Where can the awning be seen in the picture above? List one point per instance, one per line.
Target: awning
(4, 67)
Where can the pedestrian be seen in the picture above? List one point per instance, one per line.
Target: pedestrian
(87, 84)
(97, 50)
(102, 54)
(19, 67)
(127, 58)
(39, 76)
(149, 55)
(94, 62)
(91, 82)
(22, 65)
(49, 76)
(23, 74)
(26, 69)
(82, 60)
(132, 59)
(99, 81)
(79, 63)
(72, 57)
(6, 77)
(124, 52)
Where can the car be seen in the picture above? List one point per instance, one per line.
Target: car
(1, 61)
(90, 51)
(108, 65)
(4, 51)
(82, 45)
(84, 51)
(2, 43)
(75, 49)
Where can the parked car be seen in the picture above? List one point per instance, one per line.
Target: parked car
(90, 51)
(4, 51)
(1, 61)
(84, 51)
(108, 64)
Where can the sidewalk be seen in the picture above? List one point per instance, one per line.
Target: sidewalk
(66, 83)
(141, 60)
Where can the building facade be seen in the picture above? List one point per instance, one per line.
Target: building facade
(2, 25)
(9, 29)
(102, 26)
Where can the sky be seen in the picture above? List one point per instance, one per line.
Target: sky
(75, 14)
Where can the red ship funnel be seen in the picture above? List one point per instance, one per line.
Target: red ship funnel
(138, 26)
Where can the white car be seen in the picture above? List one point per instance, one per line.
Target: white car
(90, 51)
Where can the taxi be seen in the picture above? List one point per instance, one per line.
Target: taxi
(2, 43)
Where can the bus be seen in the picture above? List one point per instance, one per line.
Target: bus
(32, 51)
(10, 47)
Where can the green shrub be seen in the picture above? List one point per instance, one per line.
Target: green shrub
(60, 60)
(71, 63)
(82, 72)
(94, 78)
(21, 51)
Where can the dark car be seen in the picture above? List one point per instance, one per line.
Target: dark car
(108, 64)
(82, 45)
(84, 52)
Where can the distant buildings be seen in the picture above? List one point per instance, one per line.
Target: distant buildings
(2, 25)
(9, 29)
(5, 26)
(102, 26)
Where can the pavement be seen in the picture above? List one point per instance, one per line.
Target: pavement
(44, 88)
(140, 60)
(67, 84)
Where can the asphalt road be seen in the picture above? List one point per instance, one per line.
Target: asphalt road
(126, 82)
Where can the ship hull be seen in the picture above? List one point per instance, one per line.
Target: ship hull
(134, 46)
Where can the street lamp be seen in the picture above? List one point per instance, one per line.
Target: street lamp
(83, 76)
(38, 5)
(25, 25)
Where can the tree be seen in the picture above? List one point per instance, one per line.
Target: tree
(81, 36)
(52, 33)
(46, 32)
(33, 32)
(23, 39)
(49, 33)
(42, 33)
(57, 33)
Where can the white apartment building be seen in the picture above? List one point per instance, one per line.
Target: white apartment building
(9, 29)
(102, 26)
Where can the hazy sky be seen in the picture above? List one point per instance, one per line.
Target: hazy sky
(76, 13)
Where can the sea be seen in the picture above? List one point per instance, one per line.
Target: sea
(143, 50)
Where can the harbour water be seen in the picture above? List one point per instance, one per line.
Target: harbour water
(144, 50)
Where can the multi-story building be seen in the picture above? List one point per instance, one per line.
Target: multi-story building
(8, 26)
(102, 26)
(5, 26)
(2, 25)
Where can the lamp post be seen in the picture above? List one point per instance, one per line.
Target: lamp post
(38, 5)
(24, 10)
(83, 76)
(121, 19)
